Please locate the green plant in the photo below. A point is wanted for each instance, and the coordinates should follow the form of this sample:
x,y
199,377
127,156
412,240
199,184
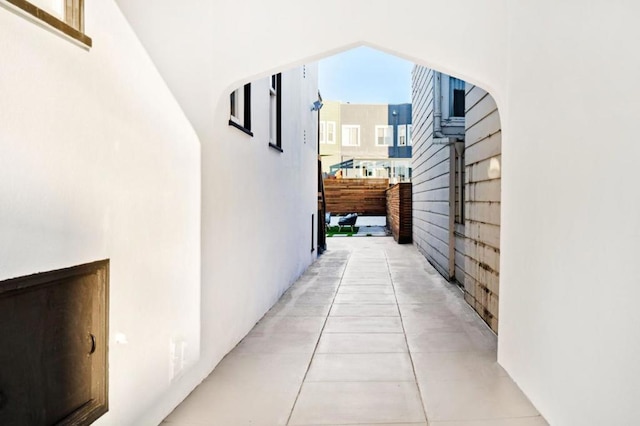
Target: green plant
x,y
346,230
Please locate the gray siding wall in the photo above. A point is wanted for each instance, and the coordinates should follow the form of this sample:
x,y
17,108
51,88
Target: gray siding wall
x,y
430,176
482,204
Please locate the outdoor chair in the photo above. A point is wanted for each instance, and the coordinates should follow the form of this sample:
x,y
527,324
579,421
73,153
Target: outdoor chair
x,y
327,220
348,220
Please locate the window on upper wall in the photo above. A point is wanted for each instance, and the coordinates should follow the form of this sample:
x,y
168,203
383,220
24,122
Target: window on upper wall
x,y
350,135
66,16
275,111
456,97
409,134
322,135
384,135
402,135
331,132
240,109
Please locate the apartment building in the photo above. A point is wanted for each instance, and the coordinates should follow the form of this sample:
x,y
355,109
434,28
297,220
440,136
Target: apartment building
x,y
366,140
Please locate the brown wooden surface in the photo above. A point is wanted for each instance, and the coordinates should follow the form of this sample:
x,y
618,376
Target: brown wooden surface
x,y
351,195
53,335
399,214
74,28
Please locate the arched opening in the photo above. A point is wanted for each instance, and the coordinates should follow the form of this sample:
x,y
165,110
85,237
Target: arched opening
x,y
455,170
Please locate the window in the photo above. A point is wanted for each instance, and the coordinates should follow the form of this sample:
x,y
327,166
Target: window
x,y
456,97
322,135
351,135
402,135
240,109
331,132
384,135
275,111
409,134
66,16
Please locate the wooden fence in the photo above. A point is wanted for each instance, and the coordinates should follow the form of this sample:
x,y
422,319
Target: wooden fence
x,y
399,212
351,195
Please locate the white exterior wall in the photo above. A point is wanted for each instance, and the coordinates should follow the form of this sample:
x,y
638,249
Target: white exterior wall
x,y
98,161
568,310
430,189
569,265
257,204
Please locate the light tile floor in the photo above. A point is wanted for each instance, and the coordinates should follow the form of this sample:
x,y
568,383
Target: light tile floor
x,y
369,335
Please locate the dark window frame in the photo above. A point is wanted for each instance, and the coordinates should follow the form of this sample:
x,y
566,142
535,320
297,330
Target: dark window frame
x,y
245,126
278,130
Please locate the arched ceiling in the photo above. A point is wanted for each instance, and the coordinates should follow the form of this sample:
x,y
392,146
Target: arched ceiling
x,y
204,48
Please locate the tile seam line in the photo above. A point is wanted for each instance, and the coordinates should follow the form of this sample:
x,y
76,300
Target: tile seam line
x,y
404,331
315,348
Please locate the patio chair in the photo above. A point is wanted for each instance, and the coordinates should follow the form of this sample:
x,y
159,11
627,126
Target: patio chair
x,y
327,221
348,220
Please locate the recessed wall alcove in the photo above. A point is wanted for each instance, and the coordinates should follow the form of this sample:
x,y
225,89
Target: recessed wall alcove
x,y
53,346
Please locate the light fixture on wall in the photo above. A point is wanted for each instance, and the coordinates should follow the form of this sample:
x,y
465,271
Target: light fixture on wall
x,y
494,168
316,106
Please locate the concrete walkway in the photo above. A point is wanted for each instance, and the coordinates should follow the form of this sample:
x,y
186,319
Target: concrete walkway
x,y
370,334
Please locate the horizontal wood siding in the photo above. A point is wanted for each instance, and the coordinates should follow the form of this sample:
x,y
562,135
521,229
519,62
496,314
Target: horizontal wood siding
x,y
482,204
351,195
430,176
399,216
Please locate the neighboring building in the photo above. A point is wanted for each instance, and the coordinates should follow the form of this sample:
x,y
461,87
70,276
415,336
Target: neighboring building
x,y
366,140
330,134
456,185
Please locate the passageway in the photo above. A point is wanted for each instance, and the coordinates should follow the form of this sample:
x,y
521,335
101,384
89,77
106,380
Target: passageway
x,y
370,334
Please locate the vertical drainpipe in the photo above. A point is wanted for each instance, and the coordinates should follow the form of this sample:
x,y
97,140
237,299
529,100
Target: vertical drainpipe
x,y
437,133
452,211
437,107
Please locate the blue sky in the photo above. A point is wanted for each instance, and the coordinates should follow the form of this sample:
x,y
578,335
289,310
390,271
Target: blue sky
x,y
365,75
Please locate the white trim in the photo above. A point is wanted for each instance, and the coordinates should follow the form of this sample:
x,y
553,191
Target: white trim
x,y
238,117
323,135
346,128
273,99
331,124
388,135
402,133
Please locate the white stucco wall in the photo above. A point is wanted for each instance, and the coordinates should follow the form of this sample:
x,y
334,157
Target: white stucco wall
x,y
560,75
123,182
98,161
257,204
569,281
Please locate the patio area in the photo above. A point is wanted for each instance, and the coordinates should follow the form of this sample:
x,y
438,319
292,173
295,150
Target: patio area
x,y
370,334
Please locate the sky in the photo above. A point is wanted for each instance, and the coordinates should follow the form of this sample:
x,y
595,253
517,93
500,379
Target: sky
x,y
365,75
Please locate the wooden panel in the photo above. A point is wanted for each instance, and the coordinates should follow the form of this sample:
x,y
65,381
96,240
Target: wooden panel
x,y
486,148
362,196
430,176
53,335
482,206
473,95
480,111
479,171
483,128
484,191
399,212
488,212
